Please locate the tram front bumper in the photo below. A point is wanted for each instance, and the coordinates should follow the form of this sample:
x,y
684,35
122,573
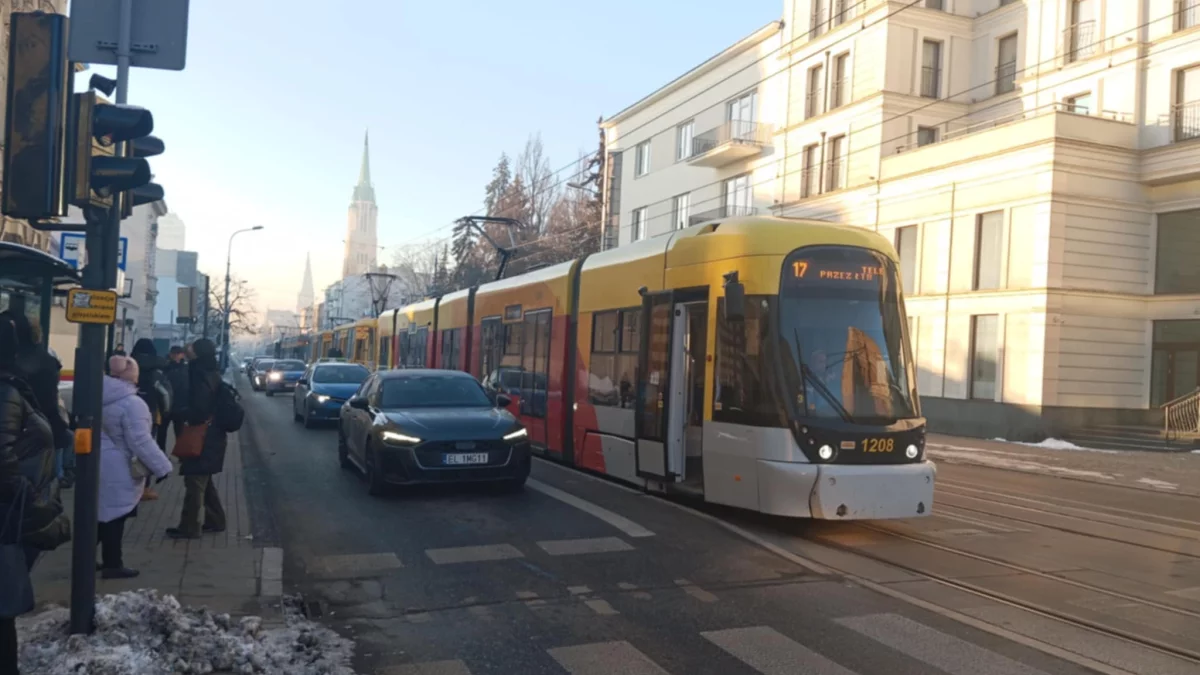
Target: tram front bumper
x,y
847,491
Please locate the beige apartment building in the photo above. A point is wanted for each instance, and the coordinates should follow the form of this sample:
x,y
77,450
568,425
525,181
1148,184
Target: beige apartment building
x,y
1036,162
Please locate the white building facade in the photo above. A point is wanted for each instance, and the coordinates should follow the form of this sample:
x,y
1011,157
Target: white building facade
x,y
1034,161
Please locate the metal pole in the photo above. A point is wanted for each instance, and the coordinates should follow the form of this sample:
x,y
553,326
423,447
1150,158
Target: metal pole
x,y
225,308
205,333
103,240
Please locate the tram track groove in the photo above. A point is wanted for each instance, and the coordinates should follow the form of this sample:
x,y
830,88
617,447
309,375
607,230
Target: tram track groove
x,y
1064,502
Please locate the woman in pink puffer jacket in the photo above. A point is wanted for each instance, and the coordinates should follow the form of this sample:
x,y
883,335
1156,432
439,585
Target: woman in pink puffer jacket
x,y
126,443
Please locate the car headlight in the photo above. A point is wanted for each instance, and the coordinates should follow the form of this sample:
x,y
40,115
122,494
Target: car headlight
x,y
321,398
275,376
397,438
516,435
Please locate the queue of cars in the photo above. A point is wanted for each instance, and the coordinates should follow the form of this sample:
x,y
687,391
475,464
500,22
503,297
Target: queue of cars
x,y
403,426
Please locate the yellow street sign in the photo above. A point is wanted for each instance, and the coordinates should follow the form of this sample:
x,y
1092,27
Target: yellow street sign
x,y
85,305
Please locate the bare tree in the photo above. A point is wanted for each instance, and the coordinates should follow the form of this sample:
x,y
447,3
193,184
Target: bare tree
x,y
537,180
243,317
414,266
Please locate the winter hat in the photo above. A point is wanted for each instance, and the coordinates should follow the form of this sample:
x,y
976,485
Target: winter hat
x,y
143,347
123,368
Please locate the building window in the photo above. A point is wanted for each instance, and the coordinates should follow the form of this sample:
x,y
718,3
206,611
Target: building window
x,y
1080,104
985,355
833,178
742,113
683,140
926,136
845,10
679,210
643,159
739,196
1006,64
639,224
931,68
837,89
906,248
936,4
814,103
1187,103
820,18
1187,14
1080,37
811,175
988,232
1178,249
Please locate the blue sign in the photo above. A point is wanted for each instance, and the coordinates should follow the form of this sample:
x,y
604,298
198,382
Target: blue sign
x,y
73,250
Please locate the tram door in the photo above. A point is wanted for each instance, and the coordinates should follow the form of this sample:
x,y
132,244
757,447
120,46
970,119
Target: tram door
x,y
662,389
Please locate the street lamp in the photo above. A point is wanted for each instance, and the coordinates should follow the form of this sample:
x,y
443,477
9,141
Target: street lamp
x,y
225,320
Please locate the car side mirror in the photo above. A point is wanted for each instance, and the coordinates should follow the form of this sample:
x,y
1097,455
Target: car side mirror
x,y
503,400
302,381
358,402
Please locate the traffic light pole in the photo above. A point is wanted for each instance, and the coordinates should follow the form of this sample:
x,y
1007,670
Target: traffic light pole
x,y
103,244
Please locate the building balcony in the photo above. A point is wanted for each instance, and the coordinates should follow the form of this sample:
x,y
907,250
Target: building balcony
x,y
952,144
733,141
727,211
1187,14
1079,42
1187,121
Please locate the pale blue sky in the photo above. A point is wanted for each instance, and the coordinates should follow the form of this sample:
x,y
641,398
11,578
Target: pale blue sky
x,y
265,124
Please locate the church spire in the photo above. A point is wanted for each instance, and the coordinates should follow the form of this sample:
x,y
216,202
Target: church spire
x,y
364,191
306,297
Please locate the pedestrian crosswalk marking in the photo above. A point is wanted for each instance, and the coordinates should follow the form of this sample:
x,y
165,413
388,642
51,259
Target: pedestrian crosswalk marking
x,y
432,668
601,607
772,653
695,591
355,565
465,554
581,546
935,648
605,658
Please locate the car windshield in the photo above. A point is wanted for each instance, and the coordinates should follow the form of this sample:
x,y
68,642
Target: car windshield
x,y
432,391
288,365
841,325
263,364
339,375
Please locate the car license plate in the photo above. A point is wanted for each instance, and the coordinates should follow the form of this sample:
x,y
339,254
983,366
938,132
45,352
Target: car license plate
x,y
466,458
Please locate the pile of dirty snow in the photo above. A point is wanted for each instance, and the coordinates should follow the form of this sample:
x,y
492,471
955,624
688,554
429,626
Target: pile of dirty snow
x,y
144,633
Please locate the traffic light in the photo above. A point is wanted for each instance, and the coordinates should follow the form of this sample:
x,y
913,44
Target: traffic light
x,y
39,86
96,126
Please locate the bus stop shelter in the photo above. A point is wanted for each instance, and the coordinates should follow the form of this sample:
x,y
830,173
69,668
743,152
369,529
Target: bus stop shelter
x,y
29,279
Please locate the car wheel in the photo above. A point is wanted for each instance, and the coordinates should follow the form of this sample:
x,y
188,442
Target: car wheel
x,y
375,484
343,452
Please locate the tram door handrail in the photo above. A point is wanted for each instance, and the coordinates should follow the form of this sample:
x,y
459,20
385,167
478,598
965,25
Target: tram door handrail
x,y
1182,415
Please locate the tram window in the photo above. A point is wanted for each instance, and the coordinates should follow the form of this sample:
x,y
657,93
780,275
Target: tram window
x,y
627,355
742,393
512,339
385,354
535,363
489,354
602,379
451,345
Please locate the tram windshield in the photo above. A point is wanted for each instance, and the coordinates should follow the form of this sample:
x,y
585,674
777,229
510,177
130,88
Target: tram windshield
x,y
842,335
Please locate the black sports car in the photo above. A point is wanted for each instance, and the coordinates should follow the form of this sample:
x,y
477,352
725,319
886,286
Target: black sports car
x,y
430,426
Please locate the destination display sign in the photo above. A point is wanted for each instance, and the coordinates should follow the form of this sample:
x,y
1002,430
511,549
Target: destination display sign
x,y
836,266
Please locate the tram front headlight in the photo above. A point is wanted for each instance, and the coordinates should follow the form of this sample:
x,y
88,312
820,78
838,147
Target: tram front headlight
x,y
825,452
912,451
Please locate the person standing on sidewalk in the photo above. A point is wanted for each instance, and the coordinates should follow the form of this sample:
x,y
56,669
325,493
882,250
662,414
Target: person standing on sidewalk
x,y
155,390
128,456
41,370
177,376
200,493
26,470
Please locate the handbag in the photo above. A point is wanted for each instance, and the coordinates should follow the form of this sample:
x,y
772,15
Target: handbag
x,y
189,443
137,469
16,588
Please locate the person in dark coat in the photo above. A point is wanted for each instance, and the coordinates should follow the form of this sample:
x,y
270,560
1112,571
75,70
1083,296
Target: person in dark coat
x,y
153,388
200,493
27,466
41,371
177,376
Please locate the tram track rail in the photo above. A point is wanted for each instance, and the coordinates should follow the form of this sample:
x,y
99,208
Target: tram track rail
x,y
1041,609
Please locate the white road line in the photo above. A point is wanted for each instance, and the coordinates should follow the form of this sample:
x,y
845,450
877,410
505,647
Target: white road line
x,y
432,668
773,653
605,658
578,590
933,647
601,607
622,523
581,546
465,554
695,591
352,565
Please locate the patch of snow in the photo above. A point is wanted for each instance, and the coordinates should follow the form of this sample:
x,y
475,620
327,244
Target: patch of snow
x,y
1160,484
994,460
144,633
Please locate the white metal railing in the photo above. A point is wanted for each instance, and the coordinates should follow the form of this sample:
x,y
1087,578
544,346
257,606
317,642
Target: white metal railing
x,y
1182,415
945,133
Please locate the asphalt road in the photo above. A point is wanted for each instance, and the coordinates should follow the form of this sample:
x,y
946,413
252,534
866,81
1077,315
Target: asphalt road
x,y
574,575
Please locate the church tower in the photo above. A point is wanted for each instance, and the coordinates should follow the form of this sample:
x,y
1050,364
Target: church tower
x,y
360,223
305,299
